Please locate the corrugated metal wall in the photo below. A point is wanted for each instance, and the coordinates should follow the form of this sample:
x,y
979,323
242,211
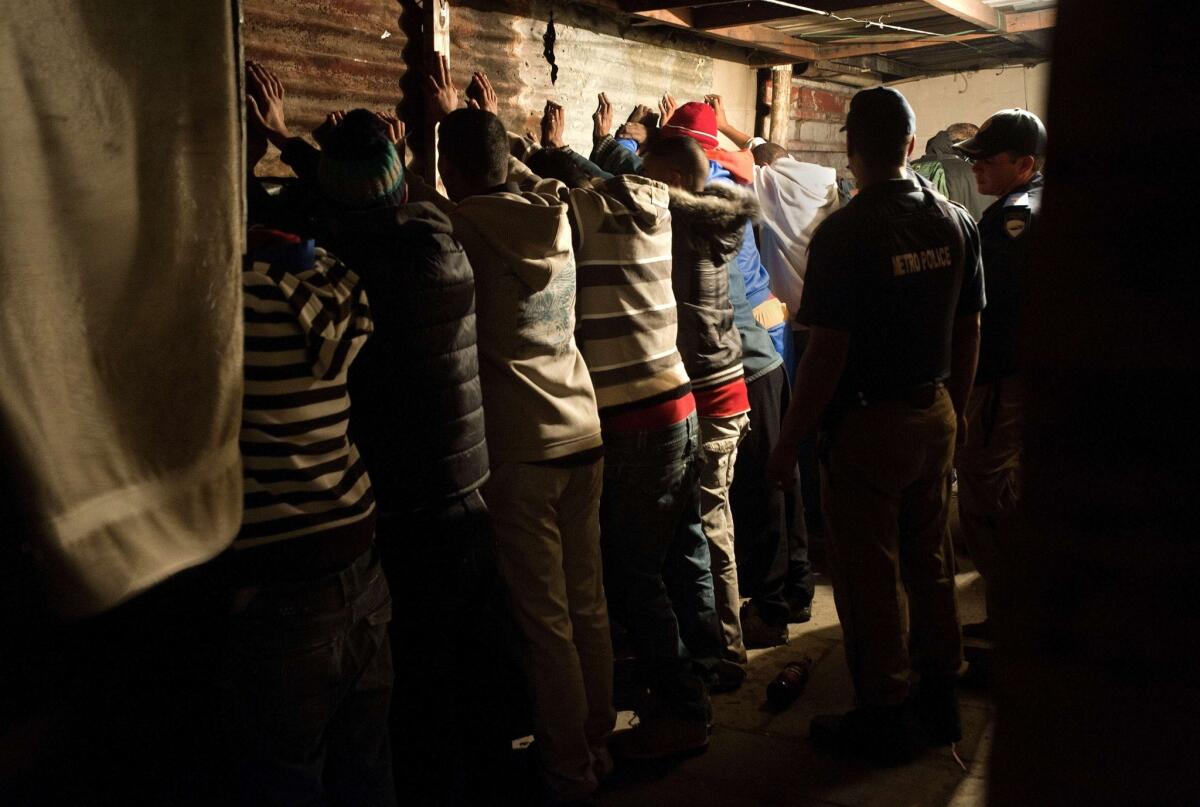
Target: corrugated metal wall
x,y
333,54
329,54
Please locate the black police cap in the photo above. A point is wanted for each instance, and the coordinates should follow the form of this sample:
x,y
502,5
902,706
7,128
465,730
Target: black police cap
x,y
880,112
1014,130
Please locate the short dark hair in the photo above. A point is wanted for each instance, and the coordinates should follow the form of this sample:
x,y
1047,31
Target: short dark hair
x,y
476,143
557,164
962,131
681,154
877,151
768,153
1039,160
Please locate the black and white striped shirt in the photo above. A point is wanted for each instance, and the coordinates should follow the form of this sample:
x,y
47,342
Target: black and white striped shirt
x,y
306,317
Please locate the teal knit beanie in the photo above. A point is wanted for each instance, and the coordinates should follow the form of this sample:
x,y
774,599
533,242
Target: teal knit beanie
x,y
360,168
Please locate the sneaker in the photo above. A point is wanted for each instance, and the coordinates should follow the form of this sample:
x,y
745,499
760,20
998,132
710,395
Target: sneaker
x,y
756,633
936,703
659,737
887,735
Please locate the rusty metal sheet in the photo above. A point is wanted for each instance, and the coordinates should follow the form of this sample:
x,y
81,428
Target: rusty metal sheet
x,y
329,54
333,54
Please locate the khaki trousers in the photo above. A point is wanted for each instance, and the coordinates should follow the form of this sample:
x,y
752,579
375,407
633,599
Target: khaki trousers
x,y
989,465
885,473
719,439
546,522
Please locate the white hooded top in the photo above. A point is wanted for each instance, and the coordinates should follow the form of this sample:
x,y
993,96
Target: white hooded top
x,y
795,198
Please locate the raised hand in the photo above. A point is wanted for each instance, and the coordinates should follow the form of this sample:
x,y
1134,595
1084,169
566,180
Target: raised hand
x,y
718,105
666,108
644,115
395,127
331,122
264,103
481,93
602,118
637,132
554,121
441,94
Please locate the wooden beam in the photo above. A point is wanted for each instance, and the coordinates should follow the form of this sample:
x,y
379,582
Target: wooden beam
x,y
876,64
1029,21
743,13
834,52
639,6
973,11
437,40
763,38
677,17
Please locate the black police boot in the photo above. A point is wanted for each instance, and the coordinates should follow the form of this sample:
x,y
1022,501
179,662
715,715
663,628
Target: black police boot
x,y
936,705
886,735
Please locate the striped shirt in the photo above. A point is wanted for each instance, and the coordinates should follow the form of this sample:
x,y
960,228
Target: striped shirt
x,y
627,320
306,318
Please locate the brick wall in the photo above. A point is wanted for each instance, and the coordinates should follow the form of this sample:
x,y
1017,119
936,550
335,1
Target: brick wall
x,y
818,113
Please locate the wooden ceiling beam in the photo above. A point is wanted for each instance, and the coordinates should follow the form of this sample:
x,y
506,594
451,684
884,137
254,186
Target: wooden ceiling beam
x,y
640,6
764,38
1029,21
975,12
835,52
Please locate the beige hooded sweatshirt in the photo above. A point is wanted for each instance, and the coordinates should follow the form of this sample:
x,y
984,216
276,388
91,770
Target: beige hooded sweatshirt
x,y
537,395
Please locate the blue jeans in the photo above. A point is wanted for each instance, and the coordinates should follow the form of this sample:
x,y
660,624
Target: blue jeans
x,y
651,496
306,682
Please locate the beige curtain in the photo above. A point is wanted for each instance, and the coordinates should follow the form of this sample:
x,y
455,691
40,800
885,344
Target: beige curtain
x,y
120,320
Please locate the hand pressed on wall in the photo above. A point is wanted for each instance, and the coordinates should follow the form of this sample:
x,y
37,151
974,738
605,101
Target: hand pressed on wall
x,y
481,93
441,95
718,105
264,103
602,118
554,122
331,122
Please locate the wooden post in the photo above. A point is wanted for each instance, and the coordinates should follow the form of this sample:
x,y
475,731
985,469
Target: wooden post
x,y
781,104
437,41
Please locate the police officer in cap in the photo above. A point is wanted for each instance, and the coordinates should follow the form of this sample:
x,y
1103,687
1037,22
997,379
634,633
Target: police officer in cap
x,y
1006,157
892,297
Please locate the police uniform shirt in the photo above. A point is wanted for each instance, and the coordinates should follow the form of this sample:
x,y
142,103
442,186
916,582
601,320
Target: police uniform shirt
x,y
1005,233
895,267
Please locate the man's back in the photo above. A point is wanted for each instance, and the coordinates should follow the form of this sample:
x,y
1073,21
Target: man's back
x,y
895,268
626,305
306,318
539,399
416,383
795,198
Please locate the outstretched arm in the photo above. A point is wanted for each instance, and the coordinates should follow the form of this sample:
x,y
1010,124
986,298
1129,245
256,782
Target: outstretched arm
x,y
740,138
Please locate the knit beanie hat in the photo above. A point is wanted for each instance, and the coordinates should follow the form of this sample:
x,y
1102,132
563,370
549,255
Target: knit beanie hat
x,y
359,166
695,120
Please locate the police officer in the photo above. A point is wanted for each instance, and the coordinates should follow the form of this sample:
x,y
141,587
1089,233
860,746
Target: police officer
x,y
1006,157
892,298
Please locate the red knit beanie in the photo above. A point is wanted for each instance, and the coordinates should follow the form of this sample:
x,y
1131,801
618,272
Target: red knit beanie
x,y
695,120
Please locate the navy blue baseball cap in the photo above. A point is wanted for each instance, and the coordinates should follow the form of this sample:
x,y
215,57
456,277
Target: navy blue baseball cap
x,y
1015,130
881,112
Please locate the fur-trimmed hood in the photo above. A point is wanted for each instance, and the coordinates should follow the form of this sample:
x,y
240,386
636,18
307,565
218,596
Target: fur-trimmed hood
x,y
715,218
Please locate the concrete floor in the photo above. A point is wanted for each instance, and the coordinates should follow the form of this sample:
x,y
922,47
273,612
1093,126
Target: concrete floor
x,y
759,759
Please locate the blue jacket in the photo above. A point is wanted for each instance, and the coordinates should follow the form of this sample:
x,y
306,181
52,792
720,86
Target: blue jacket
x,y
756,285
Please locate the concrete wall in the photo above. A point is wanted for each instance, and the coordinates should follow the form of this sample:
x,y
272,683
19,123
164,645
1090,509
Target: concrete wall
x,y
973,97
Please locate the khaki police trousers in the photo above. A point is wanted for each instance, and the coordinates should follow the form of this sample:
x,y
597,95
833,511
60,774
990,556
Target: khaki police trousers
x,y
988,465
885,474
